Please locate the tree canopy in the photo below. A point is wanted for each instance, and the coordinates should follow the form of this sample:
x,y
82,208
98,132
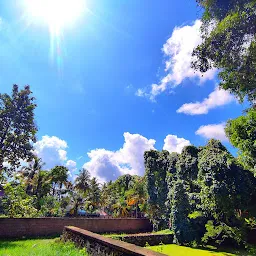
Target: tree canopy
x,y
242,134
17,126
229,44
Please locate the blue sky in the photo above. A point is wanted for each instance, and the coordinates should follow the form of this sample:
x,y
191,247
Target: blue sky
x,y
110,84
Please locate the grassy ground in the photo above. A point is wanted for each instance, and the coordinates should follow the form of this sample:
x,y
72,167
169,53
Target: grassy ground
x,y
39,247
163,232
172,249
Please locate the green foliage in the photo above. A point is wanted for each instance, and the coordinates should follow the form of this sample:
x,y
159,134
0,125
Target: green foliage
x,y
222,234
17,127
59,175
242,134
126,197
82,182
251,222
93,198
180,223
204,184
50,207
30,175
17,203
229,43
195,215
156,166
225,185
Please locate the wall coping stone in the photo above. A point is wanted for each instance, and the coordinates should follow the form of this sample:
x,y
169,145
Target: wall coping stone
x,y
131,249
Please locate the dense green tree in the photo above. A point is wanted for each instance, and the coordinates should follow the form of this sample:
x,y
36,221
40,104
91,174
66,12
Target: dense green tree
x,y
17,127
187,164
242,135
93,197
179,221
137,196
229,44
29,174
121,208
225,187
156,166
59,175
171,178
17,203
207,190
42,184
50,206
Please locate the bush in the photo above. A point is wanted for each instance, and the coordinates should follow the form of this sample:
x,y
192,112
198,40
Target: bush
x,y
221,234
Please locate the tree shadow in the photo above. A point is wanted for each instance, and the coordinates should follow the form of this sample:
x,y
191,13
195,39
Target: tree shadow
x,y
230,251
7,244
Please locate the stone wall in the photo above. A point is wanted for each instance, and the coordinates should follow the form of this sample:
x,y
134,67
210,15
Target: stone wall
x,y
36,227
144,239
97,245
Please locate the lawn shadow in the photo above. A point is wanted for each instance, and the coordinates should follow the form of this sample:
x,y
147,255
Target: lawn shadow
x,y
7,244
229,251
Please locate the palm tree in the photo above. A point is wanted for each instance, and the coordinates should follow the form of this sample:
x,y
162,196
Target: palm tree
x,y
82,181
59,175
93,195
121,209
29,173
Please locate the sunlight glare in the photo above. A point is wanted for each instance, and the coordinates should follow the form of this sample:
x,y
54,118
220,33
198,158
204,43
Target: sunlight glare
x,y
57,13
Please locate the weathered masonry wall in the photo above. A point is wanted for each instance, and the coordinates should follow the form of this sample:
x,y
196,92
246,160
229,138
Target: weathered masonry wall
x,y
97,245
35,227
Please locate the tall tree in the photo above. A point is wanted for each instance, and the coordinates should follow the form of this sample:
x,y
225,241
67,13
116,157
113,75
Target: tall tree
x,y
17,126
82,181
229,44
156,166
242,135
29,173
93,198
59,175
225,187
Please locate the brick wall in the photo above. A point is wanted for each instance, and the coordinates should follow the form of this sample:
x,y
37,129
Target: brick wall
x,y
33,227
98,245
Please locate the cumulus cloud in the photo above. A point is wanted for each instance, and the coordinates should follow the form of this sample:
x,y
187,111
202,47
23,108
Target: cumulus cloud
x,y
71,165
178,52
108,165
215,131
53,151
174,144
218,97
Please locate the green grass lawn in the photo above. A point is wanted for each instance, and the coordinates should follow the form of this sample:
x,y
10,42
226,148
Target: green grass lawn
x,y
163,232
39,247
172,249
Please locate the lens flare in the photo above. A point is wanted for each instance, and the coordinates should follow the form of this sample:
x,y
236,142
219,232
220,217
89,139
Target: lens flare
x,y
57,13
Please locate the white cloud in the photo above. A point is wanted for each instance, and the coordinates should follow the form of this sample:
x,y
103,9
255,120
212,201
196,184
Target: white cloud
x,y
53,151
215,131
71,165
218,97
174,144
140,93
108,165
178,51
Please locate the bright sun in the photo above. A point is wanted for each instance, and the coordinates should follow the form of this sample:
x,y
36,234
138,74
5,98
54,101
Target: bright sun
x,y
57,13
